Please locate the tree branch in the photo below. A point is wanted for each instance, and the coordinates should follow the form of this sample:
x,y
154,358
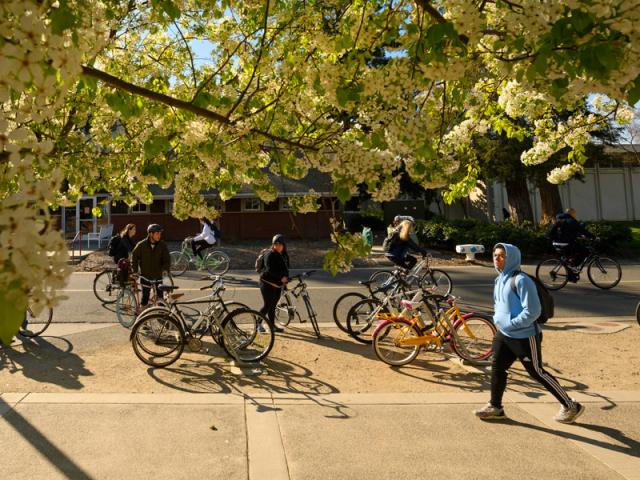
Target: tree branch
x,y
181,104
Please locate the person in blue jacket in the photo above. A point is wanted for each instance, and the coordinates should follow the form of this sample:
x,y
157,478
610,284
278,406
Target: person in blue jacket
x,y
519,337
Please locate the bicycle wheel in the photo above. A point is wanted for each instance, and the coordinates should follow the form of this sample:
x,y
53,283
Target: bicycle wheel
x,y
35,325
473,338
388,342
313,318
381,282
552,273
217,262
157,340
604,272
179,263
126,308
638,313
361,318
437,282
285,310
104,288
342,306
242,338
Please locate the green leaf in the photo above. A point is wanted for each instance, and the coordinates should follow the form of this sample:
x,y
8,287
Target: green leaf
x,y
348,93
343,192
156,146
12,314
633,95
581,21
62,18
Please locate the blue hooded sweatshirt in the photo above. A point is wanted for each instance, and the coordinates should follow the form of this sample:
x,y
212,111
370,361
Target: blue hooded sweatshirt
x,y
515,314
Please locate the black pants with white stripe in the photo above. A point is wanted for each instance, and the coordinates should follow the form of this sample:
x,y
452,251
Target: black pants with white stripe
x,y
505,351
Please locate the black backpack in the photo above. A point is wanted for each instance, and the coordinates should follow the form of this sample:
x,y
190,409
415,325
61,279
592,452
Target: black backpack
x,y
260,266
390,239
216,231
546,300
113,245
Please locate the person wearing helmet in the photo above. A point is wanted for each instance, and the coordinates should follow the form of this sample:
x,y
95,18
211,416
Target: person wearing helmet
x,y
274,276
150,258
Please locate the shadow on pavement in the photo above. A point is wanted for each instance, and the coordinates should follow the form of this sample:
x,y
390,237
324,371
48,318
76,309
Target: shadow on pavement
x,y
628,445
46,360
42,444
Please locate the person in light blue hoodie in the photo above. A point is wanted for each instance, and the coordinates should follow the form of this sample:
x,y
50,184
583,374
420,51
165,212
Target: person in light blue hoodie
x,y
519,336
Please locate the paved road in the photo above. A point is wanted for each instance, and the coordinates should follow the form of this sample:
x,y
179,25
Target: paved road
x,y
472,283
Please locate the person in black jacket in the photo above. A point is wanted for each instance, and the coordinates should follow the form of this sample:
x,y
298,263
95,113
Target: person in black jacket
x,y
274,276
125,243
399,250
565,233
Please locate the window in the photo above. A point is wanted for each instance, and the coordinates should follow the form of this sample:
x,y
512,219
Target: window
x,y
251,205
285,203
158,206
140,208
271,206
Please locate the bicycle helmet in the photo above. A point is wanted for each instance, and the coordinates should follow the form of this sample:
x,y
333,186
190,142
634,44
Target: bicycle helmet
x,y
278,238
154,227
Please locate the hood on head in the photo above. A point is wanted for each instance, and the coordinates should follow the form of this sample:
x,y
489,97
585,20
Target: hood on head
x,y
513,257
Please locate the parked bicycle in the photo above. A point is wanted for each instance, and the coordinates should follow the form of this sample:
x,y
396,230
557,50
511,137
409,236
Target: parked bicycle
x,y
216,262
106,286
399,337
128,303
34,325
603,272
161,333
287,305
421,275
362,315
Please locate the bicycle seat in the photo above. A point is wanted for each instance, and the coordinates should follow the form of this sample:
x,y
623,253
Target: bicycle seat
x,y
366,283
167,288
409,305
308,273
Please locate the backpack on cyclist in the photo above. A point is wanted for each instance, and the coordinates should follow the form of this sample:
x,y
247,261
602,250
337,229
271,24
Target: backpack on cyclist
x,y
122,270
113,245
390,240
216,232
546,300
260,266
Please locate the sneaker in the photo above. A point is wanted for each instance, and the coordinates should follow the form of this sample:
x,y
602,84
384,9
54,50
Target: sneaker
x,y
278,329
489,412
569,415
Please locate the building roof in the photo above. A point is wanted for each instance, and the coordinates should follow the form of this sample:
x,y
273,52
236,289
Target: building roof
x,y
318,181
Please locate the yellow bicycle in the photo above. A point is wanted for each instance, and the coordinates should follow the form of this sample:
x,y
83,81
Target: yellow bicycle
x,y
399,337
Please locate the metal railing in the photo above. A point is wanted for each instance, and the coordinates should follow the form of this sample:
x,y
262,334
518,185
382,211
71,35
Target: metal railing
x,y
72,246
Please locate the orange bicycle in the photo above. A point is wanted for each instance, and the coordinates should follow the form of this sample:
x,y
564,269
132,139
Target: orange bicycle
x,y
398,339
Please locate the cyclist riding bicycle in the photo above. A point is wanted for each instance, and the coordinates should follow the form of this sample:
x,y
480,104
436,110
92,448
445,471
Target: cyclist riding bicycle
x,y
401,243
204,239
151,258
565,233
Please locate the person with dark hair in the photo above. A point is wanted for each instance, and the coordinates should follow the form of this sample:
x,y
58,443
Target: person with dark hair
x,y
204,239
151,259
399,249
565,234
274,276
125,243
517,307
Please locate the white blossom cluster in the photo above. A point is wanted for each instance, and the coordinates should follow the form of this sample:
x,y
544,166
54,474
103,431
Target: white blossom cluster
x,y
564,173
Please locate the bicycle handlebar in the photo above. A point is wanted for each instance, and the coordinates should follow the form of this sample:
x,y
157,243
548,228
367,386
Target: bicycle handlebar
x,y
301,275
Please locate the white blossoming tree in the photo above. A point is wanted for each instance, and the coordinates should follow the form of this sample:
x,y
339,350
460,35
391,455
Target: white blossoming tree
x,y
112,95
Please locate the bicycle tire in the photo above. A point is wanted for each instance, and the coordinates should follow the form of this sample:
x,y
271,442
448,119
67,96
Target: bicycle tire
x,y
127,308
552,273
603,266
437,282
157,340
241,337
104,288
473,339
342,304
217,262
179,263
638,313
312,316
36,325
386,340
361,318
285,311
378,279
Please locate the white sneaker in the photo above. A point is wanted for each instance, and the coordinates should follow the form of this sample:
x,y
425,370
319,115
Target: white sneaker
x,y
571,414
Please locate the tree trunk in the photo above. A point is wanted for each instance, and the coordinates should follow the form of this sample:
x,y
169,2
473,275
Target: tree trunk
x,y
550,200
519,201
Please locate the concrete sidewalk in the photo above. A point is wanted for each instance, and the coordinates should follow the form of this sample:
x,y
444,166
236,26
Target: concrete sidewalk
x,y
336,436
